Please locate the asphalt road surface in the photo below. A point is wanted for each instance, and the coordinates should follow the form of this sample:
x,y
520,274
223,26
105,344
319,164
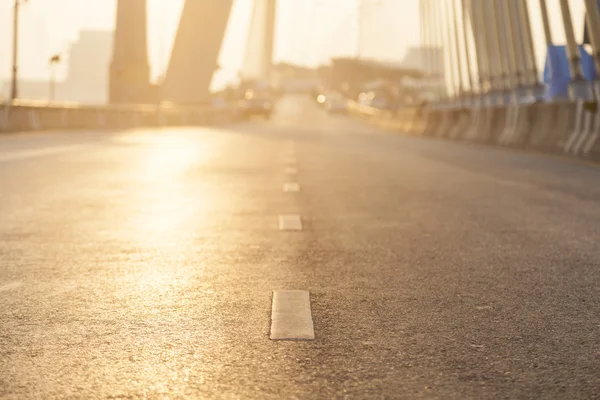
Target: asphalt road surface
x,y
141,264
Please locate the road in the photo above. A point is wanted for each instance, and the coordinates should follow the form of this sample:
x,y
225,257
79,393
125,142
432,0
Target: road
x,y
141,264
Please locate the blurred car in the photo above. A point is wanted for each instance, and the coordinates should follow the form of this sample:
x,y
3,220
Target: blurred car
x,y
337,104
332,101
376,100
256,104
323,97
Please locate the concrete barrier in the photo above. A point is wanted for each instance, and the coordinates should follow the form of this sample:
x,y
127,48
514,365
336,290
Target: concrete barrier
x,y
497,124
4,120
552,123
568,127
566,122
32,116
584,124
418,125
433,120
446,123
479,118
582,143
543,122
413,120
518,125
589,146
462,121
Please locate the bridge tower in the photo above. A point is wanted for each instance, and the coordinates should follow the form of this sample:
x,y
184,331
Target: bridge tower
x,y
129,69
258,61
196,51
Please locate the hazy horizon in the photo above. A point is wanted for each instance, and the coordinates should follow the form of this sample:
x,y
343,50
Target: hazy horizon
x,y
46,29
308,32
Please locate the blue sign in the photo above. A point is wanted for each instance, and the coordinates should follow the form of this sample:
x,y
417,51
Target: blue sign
x,y
557,73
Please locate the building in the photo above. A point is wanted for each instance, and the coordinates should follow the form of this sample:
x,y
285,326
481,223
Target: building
x,y
88,69
424,59
429,60
87,76
294,78
351,74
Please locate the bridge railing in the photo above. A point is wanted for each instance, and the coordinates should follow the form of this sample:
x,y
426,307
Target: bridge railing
x,y
562,127
22,116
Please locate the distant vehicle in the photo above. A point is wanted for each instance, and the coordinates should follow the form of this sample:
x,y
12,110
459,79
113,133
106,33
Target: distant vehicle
x,y
375,100
256,103
330,99
336,104
219,103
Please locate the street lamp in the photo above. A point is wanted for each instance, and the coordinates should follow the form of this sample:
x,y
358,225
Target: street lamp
x,y
14,92
54,60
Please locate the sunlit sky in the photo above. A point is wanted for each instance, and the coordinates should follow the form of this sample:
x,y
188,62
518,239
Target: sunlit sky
x,y
309,31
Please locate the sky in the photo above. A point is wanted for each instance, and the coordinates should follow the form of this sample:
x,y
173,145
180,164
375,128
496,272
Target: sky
x,y
308,31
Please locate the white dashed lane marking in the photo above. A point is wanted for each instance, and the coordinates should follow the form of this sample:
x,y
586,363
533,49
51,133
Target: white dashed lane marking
x,y
291,171
291,187
291,317
290,222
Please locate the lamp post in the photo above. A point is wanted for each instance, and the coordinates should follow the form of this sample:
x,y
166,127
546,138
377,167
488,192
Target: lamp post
x,y
14,91
54,60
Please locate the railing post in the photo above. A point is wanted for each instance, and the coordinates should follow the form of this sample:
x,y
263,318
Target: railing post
x,y
465,39
579,87
593,22
461,89
481,48
495,59
530,61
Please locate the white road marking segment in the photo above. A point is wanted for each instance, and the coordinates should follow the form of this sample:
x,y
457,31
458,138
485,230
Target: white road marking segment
x,y
291,317
290,160
291,171
290,222
10,286
291,187
20,155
